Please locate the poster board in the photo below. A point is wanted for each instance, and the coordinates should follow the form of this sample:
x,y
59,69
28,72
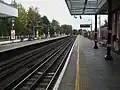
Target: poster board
x,y
12,34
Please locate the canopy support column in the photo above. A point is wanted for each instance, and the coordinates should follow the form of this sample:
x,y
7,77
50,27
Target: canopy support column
x,y
95,35
108,56
115,32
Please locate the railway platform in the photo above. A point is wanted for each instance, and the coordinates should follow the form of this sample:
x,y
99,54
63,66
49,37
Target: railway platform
x,y
6,47
87,69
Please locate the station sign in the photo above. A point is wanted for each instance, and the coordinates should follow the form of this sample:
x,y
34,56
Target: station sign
x,y
12,34
85,25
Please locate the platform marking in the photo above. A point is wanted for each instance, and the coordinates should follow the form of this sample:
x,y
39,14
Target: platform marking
x,y
77,83
64,68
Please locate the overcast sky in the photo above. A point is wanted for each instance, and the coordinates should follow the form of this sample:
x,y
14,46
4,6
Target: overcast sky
x,y
57,9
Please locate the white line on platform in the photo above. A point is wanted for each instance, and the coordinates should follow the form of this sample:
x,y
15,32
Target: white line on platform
x,y
64,68
77,83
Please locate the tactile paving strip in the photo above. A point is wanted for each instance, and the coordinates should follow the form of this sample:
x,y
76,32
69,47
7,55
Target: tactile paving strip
x,y
85,80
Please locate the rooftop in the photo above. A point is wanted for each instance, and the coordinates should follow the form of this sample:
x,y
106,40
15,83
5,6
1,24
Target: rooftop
x,y
84,7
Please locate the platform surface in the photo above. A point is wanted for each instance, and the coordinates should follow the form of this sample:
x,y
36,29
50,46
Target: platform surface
x,y
22,44
95,73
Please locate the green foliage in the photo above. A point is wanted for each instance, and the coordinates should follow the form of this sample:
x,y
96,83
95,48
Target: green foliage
x,y
21,21
5,26
45,25
55,27
75,32
14,3
33,18
28,22
45,20
66,29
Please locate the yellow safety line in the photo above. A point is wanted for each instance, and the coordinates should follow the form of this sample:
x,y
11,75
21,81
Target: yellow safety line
x,y
77,83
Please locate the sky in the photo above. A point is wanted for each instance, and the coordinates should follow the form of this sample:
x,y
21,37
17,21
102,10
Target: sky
x,y
57,9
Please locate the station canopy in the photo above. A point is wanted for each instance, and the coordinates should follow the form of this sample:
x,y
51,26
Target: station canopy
x,y
7,10
84,7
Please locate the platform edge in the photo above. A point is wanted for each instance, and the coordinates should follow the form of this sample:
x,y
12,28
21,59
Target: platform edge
x,y
64,69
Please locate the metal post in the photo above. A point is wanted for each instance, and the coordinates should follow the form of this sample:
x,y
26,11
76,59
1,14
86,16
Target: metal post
x,y
91,34
13,24
91,30
95,39
115,30
108,56
99,27
48,32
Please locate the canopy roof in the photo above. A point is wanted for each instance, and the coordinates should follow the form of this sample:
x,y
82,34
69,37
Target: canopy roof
x,y
84,7
7,10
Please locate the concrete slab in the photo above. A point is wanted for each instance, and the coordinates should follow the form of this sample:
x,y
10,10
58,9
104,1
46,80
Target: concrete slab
x,y
95,73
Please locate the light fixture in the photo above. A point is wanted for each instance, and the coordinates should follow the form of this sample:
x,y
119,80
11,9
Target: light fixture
x,y
80,17
75,16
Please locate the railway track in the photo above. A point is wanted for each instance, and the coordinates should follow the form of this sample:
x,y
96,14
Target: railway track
x,y
28,60
6,64
43,74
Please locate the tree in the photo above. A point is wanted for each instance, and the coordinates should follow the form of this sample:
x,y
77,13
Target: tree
x,y
69,29
34,20
21,21
55,27
3,25
28,22
45,25
75,32
80,31
66,29
14,3
45,20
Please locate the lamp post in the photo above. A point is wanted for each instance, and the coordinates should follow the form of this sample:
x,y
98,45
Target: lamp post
x,y
12,36
99,33
35,29
55,30
91,26
48,31
38,22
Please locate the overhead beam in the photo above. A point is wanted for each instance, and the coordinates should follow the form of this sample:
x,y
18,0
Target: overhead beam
x,y
84,6
68,7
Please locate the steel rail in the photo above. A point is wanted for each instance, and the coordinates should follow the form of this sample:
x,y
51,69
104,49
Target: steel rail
x,y
26,73
46,70
58,69
10,70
